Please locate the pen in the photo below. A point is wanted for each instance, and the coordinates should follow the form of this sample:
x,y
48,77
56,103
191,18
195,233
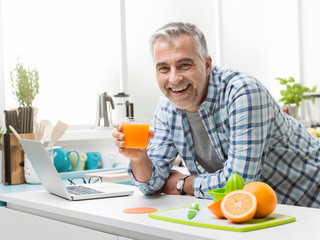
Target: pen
x,y
193,209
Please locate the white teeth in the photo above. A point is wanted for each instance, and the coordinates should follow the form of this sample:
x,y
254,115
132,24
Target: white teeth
x,y
179,89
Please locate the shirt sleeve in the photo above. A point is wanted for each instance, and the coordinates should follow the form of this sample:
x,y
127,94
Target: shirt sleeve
x,y
250,113
161,152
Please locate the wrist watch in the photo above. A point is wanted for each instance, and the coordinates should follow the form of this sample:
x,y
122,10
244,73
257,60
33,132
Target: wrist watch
x,y
180,184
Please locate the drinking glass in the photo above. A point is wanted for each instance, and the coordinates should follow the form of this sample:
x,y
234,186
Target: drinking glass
x,y
136,132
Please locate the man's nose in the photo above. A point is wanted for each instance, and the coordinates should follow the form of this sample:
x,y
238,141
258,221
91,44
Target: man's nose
x,y
174,76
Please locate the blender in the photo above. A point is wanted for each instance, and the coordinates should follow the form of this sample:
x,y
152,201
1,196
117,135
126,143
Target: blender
x,y
123,108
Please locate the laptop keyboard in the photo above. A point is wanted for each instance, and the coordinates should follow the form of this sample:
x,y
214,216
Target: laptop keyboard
x,y
82,190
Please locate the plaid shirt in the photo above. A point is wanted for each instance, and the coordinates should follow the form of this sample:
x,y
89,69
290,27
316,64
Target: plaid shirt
x,y
251,135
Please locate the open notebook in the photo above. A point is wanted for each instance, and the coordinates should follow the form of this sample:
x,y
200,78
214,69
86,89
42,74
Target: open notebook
x,y
51,180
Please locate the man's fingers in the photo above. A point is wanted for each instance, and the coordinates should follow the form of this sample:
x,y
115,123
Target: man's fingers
x,y
120,144
119,126
151,135
118,135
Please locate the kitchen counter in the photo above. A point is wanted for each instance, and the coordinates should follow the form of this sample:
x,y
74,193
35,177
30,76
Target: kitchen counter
x,y
41,215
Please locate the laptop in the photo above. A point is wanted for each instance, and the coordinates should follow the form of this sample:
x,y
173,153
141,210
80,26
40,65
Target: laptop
x,y
52,182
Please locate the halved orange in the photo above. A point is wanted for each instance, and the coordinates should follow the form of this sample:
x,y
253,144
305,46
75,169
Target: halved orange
x,y
239,206
215,208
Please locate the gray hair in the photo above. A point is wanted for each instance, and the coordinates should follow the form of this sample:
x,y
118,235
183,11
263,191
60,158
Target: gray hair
x,y
176,29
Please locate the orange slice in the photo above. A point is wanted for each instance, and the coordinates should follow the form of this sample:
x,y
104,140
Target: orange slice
x,y
140,210
215,208
239,206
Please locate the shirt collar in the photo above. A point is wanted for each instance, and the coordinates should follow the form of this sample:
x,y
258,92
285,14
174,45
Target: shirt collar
x,y
212,93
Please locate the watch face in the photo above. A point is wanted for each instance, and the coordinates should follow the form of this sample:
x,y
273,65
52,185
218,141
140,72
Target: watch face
x,y
180,184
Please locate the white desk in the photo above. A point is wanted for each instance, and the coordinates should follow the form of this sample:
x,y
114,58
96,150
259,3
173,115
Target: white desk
x,y
40,215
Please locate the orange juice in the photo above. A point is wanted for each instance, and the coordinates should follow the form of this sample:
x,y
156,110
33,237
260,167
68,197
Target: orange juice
x,y
136,135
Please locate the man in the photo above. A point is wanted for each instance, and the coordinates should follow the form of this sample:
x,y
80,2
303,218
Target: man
x,y
220,122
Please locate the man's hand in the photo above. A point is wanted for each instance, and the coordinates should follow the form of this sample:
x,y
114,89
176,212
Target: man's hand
x,y
170,187
140,162
131,153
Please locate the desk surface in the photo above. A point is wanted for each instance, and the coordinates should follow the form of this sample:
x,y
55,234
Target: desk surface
x,y
107,215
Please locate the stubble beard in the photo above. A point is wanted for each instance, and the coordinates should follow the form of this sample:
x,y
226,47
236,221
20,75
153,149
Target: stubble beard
x,y
187,104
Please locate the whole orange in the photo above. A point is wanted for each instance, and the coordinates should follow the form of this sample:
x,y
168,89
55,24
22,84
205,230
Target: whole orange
x,y
266,197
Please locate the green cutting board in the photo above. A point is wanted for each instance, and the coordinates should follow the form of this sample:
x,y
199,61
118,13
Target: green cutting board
x,y
206,219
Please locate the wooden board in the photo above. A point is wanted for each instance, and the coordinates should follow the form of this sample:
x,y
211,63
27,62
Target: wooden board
x,y
117,175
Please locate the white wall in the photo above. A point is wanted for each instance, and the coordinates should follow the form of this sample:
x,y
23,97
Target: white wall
x,y
310,41
260,37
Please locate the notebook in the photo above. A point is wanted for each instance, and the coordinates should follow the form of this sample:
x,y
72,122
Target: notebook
x,y
51,180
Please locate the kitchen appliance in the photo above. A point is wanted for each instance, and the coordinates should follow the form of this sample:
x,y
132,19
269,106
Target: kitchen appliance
x,y
104,107
123,108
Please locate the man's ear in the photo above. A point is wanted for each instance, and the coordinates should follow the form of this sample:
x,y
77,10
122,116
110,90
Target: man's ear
x,y
208,65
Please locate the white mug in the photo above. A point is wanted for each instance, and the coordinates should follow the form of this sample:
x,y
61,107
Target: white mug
x,y
107,159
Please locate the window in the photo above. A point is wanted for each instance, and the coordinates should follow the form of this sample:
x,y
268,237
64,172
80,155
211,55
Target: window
x,y
75,46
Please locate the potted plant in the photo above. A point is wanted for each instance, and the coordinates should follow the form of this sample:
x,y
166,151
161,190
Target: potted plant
x,y
25,87
293,95
25,84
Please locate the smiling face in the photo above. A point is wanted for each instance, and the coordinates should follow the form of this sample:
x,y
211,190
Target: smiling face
x,y
181,73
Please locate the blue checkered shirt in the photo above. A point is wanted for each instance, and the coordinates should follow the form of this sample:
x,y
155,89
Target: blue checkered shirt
x,y
251,135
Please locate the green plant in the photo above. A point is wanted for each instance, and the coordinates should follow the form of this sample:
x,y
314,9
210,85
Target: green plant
x,y
25,84
294,92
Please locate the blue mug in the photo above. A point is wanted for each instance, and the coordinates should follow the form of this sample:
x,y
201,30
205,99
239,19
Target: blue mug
x,y
61,159
93,159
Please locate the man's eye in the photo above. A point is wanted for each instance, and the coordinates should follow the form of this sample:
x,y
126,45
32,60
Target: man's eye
x,y
185,66
163,69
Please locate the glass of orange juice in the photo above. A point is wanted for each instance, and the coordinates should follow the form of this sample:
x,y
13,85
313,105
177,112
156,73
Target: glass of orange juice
x,y
136,132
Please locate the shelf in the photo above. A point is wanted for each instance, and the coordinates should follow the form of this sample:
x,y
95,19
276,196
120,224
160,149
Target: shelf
x,y
87,134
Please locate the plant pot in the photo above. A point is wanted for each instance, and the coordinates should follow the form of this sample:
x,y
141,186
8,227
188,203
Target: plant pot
x,y
35,117
29,173
292,110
